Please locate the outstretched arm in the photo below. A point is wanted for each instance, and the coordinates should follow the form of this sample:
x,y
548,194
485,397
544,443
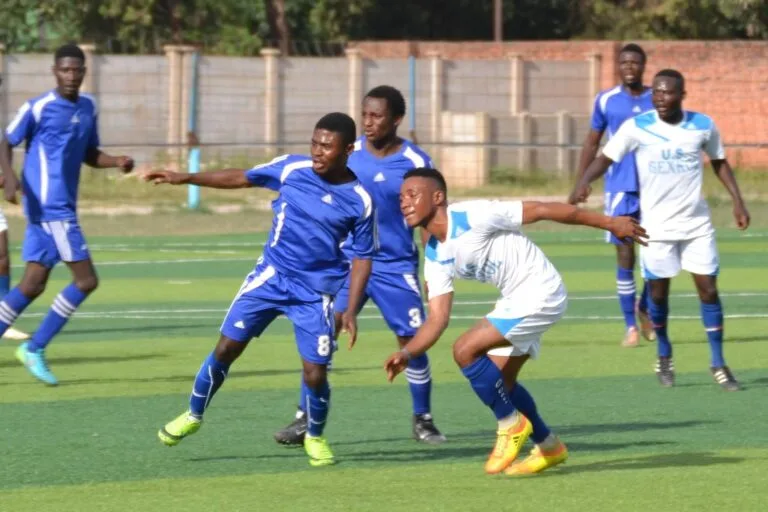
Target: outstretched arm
x,y
587,156
725,174
100,160
10,180
224,178
621,227
595,170
427,335
358,279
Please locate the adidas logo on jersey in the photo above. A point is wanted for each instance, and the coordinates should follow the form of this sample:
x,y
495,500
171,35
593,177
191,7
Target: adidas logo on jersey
x,y
636,109
327,199
379,178
75,119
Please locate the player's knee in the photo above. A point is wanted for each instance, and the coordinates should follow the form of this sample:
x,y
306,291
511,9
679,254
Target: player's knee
x,y
5,264
315,375
87,284
464,353
227,350
708,294
31,289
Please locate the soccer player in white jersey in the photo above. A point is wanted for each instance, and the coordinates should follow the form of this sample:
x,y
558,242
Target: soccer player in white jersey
x,y
60,133
668,143
483,241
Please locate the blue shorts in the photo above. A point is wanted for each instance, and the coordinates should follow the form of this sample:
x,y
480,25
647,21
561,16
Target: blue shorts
x,y
266,294
621,204
48,243
397,296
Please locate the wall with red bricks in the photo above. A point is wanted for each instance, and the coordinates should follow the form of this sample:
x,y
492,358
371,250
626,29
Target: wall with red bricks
x,y
727,80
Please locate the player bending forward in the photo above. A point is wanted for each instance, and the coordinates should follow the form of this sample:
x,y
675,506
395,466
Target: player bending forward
x,y
482,240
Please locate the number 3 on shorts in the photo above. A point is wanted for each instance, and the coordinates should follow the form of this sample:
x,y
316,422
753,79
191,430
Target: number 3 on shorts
x,y
415,315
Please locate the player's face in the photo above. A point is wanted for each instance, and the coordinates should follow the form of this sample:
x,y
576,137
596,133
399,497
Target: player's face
x,y
631,68
667,97
378,122
328,151
418,200
69,73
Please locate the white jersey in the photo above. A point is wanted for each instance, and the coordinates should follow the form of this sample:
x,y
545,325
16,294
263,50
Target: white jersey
x,y
485,243
670,171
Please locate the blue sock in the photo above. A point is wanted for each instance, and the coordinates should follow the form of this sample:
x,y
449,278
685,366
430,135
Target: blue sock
x,y
317,403
625,285
524,403
658,314
712,317
11,307
420,381
64,305
5,286
488,384
209,379
642,304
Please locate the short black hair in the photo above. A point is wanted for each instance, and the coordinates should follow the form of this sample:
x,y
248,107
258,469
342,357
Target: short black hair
x,y
394,98
634,48
69,50
673,73
426,172
340,123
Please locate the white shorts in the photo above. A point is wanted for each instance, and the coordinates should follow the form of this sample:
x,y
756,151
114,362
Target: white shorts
x,y
524,334
3,222
661,260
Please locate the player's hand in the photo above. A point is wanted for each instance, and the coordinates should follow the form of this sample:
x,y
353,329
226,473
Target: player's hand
x,y
627,227
349,326
396,363
580,195
741,214
169,177
11,186
125,163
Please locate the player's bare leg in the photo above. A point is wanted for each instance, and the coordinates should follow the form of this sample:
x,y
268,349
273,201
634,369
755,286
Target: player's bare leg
x,y
494,380
712,318
317,395
424,428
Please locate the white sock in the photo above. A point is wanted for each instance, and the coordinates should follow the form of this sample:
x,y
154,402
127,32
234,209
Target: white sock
x,y
508,421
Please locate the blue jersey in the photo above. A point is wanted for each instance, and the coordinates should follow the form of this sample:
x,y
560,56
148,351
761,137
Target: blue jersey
x,y
382,177
58,135
612,108
312,218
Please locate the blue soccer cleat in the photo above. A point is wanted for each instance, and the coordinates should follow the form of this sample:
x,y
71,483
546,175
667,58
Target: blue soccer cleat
x,y
36,364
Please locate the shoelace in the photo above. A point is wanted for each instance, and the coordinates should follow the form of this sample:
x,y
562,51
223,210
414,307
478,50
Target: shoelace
x,y
501,444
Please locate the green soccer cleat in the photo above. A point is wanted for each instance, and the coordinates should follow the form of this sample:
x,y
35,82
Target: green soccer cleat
x,y
184,425
319,452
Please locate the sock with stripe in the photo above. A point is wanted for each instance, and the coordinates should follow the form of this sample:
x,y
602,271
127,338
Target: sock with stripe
x,y
658,313
64,305
209,379
318,401
712,317
12,305
488,384
419,379
625,285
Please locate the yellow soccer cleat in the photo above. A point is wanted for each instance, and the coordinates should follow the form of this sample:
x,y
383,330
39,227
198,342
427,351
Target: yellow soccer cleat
x,y
539,460
508,445
184,425
319,452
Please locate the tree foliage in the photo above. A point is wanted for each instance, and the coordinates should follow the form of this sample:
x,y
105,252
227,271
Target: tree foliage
x,y
242,27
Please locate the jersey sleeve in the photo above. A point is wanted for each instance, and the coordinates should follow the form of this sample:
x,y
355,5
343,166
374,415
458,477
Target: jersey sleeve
x,y
493,216
437,274
365,237
269,175
622,143
22,127
598,123
713,146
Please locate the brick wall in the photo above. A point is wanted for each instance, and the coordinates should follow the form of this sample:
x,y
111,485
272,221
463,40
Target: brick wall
x,y
727,80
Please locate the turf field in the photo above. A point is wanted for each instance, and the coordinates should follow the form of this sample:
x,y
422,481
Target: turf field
x,y
127,361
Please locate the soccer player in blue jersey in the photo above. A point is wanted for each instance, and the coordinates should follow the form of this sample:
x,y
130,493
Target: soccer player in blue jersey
x,y
320,203
612,108
380,160
60,130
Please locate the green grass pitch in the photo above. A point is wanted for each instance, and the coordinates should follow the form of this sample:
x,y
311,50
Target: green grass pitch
x,y
127,361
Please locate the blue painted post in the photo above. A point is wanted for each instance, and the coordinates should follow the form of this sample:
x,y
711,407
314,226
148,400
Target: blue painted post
x,y
412,96
193,191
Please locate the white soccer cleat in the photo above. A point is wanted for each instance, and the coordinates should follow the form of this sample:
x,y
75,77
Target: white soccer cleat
x,y
15,334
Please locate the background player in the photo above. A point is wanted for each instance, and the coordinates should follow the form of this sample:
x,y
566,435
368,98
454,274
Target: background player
x,y
612,108
301,270
380,160
60,129
482,241
667,143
